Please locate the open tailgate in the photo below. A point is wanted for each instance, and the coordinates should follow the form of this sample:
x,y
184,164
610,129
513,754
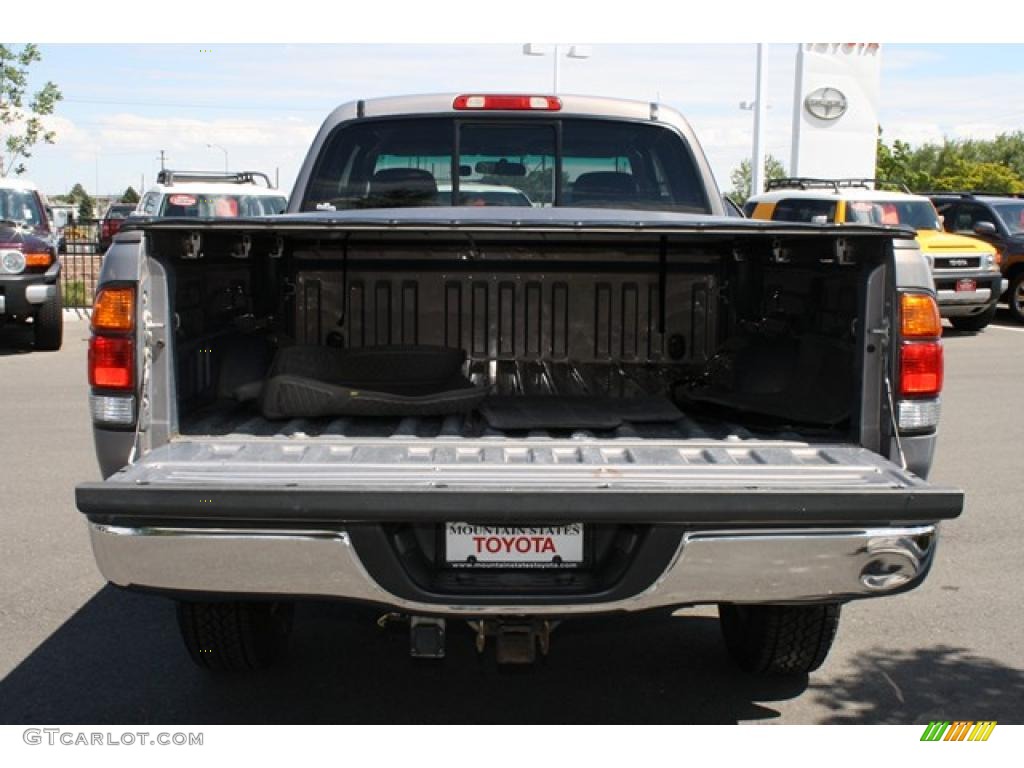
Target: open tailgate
x,y
422,480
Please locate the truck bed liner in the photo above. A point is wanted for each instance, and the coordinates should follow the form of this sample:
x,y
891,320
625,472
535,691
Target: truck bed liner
x,y
638,383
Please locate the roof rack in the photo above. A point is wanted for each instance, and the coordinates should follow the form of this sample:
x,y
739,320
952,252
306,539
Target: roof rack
x,y
799,182
169,177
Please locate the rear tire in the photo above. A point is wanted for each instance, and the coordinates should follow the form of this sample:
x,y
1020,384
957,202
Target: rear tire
x,y
779,639
235,636
49,324
1015,297
974,322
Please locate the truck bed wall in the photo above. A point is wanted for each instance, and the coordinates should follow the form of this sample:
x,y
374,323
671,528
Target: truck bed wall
x,y
526,314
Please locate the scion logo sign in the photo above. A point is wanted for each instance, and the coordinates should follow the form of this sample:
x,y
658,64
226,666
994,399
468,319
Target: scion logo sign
x,y
826,103
961,730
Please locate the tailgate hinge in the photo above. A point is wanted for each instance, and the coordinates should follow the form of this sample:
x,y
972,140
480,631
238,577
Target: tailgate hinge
x,y
881,333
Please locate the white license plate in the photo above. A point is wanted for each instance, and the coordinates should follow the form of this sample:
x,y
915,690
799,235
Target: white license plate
x,y
493,546
966,284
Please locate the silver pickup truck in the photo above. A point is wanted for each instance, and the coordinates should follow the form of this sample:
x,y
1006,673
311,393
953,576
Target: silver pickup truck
x,y
615,399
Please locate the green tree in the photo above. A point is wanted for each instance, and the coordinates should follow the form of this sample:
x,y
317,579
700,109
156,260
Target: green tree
x,y
901,164
962,174
995,165
86,205
86,209
1006,149
741,177
130,196
20,122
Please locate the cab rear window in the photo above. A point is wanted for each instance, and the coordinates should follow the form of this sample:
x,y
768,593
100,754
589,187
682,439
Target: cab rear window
x,y
549,162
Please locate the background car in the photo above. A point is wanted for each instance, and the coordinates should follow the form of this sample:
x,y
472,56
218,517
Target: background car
x,y
473,193
112,221
29,266
211,195
998,220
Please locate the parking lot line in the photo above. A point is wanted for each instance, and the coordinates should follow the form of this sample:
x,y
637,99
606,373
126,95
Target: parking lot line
x,y
1007,328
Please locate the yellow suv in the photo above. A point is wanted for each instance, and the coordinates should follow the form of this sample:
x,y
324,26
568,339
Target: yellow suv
x,y
965,270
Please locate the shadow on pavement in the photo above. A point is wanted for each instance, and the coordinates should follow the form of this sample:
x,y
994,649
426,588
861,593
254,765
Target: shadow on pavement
x,y
1004,318
937,683
15,339
119,659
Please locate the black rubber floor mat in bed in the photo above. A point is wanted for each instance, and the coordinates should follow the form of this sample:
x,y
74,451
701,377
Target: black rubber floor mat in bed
x,y
308,382
580,412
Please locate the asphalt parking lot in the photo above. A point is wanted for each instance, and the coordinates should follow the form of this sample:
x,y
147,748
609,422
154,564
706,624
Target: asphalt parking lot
x,y
75,650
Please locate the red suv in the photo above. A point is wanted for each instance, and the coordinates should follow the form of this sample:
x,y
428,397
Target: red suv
x,y
112,221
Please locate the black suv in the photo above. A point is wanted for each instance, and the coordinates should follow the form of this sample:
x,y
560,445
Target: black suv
x,y
29,267
997,219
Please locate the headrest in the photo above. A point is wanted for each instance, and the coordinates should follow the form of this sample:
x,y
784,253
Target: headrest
x,y
604,186
405,185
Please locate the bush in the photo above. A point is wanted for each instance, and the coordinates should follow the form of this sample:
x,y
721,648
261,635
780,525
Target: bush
x,y
75,294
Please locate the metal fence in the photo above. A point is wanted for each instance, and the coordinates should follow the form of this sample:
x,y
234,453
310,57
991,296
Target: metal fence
x,y
81,257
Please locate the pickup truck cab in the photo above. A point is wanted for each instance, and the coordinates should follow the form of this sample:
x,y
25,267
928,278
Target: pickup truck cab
x,y
29,264
966,271
618,399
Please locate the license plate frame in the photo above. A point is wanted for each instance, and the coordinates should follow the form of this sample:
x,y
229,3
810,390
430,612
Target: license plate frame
x,y
966,285
459,550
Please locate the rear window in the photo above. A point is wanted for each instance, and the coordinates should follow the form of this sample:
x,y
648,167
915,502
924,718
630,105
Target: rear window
x,y
119,211
918,214
807,210
220,206
539,162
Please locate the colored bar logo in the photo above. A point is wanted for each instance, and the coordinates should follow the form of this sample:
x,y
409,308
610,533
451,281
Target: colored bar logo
x,y
960,730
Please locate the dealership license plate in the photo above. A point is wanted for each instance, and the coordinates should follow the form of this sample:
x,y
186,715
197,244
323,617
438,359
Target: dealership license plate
x,y
966,284
495,546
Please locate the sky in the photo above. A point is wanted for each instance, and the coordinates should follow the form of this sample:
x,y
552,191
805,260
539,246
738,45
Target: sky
x,y
262,104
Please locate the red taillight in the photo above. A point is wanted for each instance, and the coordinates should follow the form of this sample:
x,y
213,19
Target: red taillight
x,y
106,228
921,368
508,102
112,362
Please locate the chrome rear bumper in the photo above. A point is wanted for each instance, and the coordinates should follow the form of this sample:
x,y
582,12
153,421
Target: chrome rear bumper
x,y
749,566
